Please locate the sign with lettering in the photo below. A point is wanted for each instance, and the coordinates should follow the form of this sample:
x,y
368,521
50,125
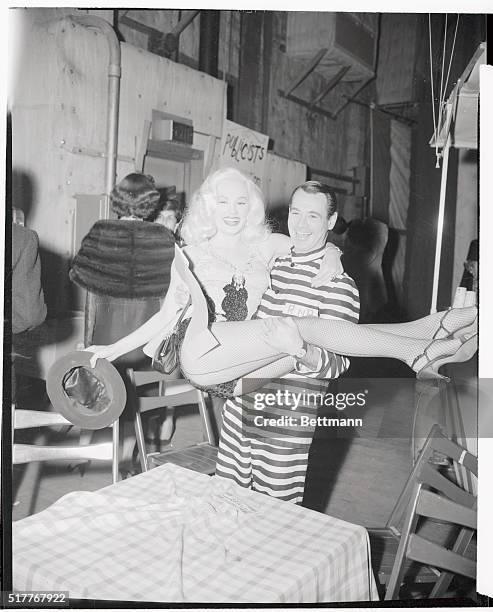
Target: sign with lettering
x,y
244,149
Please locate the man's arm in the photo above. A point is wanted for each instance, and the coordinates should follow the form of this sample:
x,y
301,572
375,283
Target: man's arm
x,y
28,305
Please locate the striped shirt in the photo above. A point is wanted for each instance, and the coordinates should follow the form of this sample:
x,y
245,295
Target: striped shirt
x,y
291,294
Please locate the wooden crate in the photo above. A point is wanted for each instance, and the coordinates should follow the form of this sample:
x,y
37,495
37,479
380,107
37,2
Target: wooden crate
x,y
351,39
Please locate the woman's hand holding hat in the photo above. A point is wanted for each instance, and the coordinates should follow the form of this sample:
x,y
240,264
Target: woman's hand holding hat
x,y
109,352
89,397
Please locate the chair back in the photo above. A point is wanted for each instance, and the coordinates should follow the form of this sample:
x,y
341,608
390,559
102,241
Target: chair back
x,y
26,453
418,548
171,393
452,503
429,474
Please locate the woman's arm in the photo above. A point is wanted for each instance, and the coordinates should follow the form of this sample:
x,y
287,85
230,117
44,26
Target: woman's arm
x,y
157,324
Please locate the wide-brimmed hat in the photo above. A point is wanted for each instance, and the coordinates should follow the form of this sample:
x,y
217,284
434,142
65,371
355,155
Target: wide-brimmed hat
x,y
91,398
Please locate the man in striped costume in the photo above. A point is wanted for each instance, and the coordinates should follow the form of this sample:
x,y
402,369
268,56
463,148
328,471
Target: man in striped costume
x,y
264,444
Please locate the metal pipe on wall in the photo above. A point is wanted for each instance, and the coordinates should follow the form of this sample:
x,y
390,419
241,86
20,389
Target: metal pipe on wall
x,y
209,42
114,74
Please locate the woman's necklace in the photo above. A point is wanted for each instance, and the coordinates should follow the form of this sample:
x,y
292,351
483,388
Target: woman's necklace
x,y
234,303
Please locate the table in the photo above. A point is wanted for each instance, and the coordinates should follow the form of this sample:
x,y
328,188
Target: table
x,y
173,535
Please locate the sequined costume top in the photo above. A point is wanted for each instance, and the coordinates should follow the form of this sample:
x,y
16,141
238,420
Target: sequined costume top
x,y
236,291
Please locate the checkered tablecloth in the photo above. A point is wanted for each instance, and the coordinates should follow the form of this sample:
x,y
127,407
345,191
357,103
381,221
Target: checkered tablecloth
x,y
172,535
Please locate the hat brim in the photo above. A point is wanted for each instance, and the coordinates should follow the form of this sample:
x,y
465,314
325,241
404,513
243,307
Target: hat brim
x,y
86,416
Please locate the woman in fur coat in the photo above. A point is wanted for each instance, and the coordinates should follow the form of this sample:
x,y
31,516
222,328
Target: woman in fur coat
x,y
124,265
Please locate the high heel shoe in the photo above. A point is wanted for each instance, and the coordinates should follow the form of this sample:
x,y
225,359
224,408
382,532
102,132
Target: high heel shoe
x,y
468,347
459,331
467,330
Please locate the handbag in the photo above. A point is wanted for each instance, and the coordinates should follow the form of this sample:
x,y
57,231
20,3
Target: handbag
x,y
165,358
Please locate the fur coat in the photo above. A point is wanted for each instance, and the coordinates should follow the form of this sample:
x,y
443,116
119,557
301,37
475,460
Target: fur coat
x,y
125,259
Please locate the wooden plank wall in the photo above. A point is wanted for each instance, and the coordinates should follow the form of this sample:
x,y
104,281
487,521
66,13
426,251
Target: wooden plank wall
x,y
283,175
165,20
58,107
297,133
263,67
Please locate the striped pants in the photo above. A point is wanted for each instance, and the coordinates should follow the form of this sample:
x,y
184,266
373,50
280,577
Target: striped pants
x,y
277,469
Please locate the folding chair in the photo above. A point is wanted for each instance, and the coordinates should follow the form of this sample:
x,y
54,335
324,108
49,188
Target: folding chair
x,y
42,451
419,549
25,453
200,457
385,541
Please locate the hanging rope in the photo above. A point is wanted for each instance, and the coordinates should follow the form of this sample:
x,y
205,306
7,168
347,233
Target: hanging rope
x,y
437,124
442,93
452,52
435,129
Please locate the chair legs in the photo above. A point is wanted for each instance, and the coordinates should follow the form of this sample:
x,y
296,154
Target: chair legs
x,y
206,419
460,547
139,434
395,580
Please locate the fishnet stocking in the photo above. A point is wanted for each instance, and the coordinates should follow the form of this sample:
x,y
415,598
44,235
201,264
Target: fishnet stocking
x,y
452,320
242,350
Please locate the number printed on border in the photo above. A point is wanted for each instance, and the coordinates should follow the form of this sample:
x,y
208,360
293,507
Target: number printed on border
x,y
35,599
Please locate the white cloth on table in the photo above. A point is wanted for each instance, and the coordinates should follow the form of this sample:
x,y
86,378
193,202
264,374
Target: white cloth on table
x,y
172,535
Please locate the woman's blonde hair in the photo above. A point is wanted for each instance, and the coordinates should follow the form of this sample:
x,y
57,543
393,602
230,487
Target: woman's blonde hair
x,y
198,222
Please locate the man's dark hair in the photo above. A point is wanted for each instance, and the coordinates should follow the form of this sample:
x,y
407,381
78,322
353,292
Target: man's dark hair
x,y
315,187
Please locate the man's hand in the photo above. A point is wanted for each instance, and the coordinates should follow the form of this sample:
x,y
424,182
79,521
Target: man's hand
x,y
281,333
330,268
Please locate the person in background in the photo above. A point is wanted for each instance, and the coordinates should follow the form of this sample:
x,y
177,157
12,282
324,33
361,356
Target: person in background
x,y
28,304
124,266
470,278
171,213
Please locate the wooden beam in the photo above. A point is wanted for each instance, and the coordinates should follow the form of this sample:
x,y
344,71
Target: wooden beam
x,y
140,27
184,23
308,70
308,105
333,175
250,89
267,68
373,106
331,84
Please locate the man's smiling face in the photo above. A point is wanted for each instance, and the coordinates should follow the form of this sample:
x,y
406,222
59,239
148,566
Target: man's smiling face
x,y
308,222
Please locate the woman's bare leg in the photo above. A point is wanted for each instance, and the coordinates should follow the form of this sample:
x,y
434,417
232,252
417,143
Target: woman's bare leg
x,y
255,380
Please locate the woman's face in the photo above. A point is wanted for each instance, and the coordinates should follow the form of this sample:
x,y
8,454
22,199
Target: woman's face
x,y
168,219
232,206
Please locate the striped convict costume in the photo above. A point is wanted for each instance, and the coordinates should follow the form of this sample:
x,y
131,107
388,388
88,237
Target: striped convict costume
x,y
272,456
